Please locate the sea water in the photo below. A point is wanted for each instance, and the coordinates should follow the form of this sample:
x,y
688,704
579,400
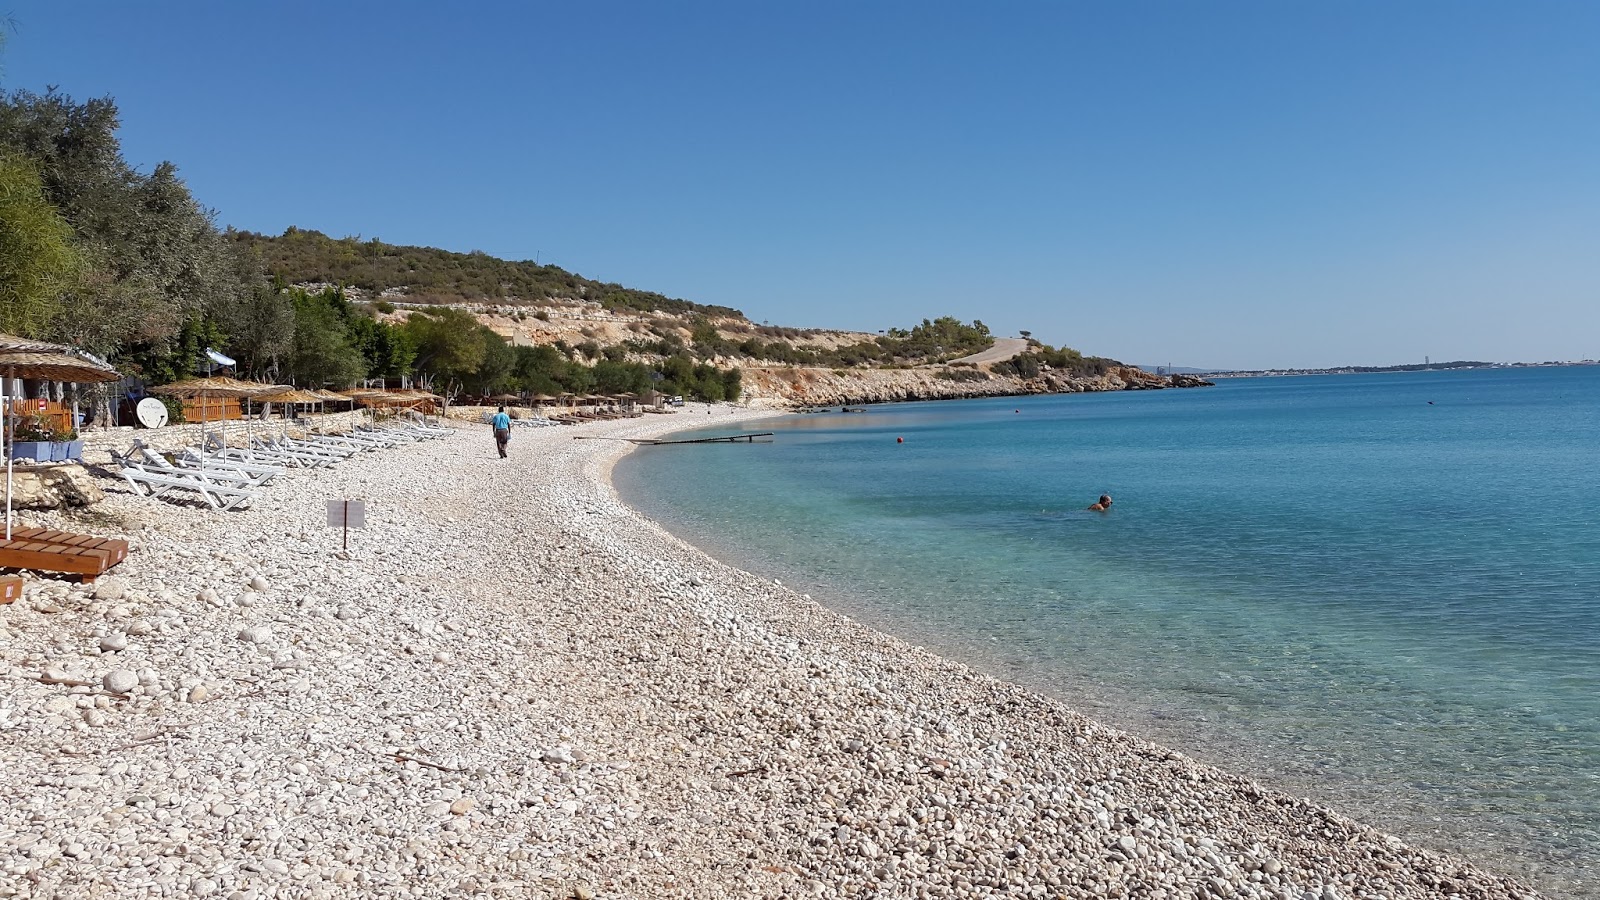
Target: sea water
x,y
1379,591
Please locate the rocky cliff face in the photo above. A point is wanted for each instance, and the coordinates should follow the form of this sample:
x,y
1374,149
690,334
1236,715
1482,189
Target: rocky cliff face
x,y
825,387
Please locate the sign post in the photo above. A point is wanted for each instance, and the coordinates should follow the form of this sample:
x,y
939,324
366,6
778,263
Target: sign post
x,y
347,514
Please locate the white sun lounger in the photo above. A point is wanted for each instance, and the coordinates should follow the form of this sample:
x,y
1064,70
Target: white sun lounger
x,y
236,473
151,482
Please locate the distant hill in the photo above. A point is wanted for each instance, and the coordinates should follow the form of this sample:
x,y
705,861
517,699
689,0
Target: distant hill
x,y
431,275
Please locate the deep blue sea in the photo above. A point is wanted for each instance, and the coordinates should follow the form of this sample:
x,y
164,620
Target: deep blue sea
x,y
1379,591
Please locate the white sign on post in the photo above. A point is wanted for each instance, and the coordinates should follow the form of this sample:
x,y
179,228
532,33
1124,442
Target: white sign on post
x,y
347,514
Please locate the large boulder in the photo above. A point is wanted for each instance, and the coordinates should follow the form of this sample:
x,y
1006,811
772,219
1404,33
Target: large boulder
x,y
53,486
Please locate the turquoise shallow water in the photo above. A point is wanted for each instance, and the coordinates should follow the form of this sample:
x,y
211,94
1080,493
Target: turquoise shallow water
x,y
1326,582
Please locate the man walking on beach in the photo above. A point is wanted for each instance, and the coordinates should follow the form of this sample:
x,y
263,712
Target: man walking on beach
x,y
501,423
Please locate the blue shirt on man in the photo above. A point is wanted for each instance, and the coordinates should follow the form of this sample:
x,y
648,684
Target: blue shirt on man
x,y
500,420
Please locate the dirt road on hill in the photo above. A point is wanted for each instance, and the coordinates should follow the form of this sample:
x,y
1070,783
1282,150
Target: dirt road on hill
x,y
1003,349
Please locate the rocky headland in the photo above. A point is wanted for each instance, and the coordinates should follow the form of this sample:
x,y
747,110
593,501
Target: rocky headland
x,y
804,386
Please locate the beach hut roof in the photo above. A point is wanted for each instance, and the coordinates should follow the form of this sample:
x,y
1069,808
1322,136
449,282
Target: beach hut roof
x,y
12,342
55,365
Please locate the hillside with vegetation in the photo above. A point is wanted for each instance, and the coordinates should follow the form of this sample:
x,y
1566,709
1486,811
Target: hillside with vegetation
x,y
128,265
432,276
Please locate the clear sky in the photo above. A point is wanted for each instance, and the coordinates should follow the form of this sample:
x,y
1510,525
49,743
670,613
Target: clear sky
x,y
1216,183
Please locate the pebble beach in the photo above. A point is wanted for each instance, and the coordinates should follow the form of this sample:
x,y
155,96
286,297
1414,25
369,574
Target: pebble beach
x,y
513,685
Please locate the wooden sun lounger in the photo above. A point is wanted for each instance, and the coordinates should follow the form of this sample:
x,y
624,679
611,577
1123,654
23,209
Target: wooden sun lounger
x,y
87,562
117,549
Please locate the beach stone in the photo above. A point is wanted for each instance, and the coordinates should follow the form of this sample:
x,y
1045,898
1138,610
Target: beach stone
x,y
114,642
120,681
140,627
558,755
199,694
260,584
463,806
256,634
110,588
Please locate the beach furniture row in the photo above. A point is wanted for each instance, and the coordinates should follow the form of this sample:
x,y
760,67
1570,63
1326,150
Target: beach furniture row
x,y
226,477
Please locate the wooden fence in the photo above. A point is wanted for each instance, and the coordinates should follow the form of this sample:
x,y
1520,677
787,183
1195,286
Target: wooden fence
x,y
52,415
212,409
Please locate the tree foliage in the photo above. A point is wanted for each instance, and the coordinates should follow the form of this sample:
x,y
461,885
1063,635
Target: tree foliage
x,y
37,260
153,261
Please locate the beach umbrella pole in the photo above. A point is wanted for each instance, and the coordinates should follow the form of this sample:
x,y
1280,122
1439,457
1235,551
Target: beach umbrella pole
x,y
11,443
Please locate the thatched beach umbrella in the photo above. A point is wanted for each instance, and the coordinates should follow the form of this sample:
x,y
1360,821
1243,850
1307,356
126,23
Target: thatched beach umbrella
x,y
216,386
22,358
289,397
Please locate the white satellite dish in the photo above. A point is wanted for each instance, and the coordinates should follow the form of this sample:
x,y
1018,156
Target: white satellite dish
x,y
151,413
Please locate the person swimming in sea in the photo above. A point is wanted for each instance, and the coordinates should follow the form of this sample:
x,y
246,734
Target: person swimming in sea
x,y
1101,505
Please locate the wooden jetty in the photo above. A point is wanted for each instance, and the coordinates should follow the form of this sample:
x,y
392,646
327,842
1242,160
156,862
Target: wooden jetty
x,y
651,442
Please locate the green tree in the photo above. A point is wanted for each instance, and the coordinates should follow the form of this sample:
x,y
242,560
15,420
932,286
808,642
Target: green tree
x,y
258,322
153,260
493,372
322,354
446,340
37,261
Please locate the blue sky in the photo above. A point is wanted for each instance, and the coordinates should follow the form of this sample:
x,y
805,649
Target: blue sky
x,y
1222,183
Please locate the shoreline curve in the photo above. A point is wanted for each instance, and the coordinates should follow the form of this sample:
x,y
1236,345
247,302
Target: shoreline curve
x,y
514,684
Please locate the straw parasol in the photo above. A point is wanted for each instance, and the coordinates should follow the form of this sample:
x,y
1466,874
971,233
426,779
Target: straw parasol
x,y
219,386
24,358
289,396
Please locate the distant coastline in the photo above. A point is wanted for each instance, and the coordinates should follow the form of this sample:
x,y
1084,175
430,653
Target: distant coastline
x,y
1412,367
